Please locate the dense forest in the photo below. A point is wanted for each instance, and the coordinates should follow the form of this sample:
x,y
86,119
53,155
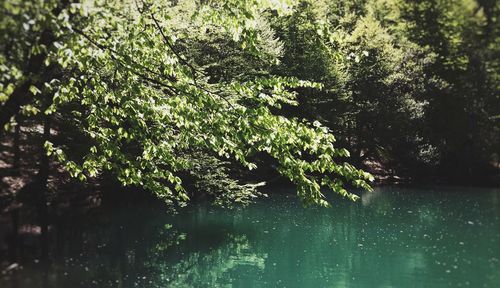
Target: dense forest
x,y
210,99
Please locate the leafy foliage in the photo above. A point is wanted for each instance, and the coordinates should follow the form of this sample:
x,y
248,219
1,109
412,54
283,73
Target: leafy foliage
x,y
131,86
163,93
398,79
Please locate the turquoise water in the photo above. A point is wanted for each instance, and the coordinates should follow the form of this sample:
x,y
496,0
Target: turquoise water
x,y
393,237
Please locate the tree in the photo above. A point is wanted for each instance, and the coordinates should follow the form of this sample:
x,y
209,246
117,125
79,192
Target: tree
x,y
119,72
373,76
462,89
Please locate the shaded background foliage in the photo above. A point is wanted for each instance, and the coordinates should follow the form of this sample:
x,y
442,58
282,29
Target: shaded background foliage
x,y
408,84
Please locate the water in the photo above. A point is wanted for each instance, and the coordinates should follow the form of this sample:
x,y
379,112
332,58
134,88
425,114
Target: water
x,y
394,237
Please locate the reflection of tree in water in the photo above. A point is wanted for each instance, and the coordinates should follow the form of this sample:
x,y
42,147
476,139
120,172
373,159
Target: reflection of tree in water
x,y
211,268
98,248
122,250
401,238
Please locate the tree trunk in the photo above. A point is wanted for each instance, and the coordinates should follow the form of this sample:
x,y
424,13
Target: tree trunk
x,y
17,150
18,98
43,176
14,243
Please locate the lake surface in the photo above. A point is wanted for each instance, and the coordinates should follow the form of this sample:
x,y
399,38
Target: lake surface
x,y
393,237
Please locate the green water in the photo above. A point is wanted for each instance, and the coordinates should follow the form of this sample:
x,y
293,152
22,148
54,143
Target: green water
x,y
394,237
